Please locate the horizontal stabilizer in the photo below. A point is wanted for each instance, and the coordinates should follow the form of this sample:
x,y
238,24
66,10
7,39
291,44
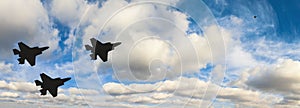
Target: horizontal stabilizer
x,y
43,91
21,60
87,47
38,83
16,51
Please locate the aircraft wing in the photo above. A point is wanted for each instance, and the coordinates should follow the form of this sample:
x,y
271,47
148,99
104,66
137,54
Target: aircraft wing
x,y
31,60
53,91
22,46
103,56
94,42
45,78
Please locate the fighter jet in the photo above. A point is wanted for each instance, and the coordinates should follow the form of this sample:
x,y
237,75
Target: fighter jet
x,y
50,84
28,53
100,49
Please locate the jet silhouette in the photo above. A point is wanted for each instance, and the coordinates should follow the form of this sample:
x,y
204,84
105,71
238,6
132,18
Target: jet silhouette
x,y
100,49
28,53
50,84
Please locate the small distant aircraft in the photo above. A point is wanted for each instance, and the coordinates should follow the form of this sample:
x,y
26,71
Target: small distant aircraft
x,y
28,53
50,84
100,49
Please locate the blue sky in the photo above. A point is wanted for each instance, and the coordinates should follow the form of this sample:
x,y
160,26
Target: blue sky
x,y
288,23
174,53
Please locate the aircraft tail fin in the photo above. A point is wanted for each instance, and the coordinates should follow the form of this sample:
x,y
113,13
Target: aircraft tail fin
x,y
16,51
38,83
43,91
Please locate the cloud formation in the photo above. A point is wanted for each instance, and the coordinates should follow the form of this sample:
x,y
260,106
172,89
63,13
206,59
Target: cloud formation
x,y
188,90
27,22
157,38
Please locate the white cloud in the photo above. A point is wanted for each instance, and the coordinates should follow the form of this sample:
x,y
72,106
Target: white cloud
x,y
183,91
27,22
9,94
15,92
68,12
180,53
160,96
162,29
5,67
243,96
19,86
64,99
252,60
238,58
281,78
273,50
96,17
77,91
181,86
236,20
138,99
170,28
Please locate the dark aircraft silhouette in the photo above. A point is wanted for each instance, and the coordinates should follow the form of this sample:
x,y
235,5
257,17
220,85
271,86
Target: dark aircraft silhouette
x,y
50,84
28,53
100,49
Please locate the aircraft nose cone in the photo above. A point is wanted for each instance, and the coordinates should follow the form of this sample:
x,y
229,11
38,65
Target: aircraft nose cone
x,y
44,48
117,44
66,79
